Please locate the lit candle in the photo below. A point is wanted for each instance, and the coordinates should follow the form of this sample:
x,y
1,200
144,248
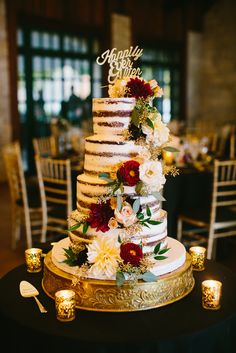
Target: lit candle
x,y
211,294
198,255
65,305
168,157
33,259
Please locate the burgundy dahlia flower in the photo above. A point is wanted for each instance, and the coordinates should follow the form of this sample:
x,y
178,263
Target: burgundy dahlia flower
x,y
138,88
129,172
100,214
131,253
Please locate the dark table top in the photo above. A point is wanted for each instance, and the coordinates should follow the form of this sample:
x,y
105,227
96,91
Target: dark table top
x,y
183,326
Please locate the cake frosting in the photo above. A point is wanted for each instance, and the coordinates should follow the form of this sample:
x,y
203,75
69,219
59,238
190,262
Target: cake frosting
x,y
119,229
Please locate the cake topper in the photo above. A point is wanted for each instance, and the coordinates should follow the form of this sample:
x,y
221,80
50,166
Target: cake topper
x,y
121,64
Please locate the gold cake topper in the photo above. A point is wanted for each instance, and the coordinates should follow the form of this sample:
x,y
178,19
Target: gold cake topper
x,y
121,64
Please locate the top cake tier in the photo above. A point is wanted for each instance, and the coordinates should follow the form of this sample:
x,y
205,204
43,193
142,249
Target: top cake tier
x,y
111,116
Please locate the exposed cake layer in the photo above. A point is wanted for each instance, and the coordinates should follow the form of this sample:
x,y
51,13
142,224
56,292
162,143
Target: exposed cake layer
x,y
150,236
102,152
112,115
90,188
176,257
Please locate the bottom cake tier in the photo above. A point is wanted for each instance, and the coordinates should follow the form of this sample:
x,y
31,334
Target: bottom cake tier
x,y
104,295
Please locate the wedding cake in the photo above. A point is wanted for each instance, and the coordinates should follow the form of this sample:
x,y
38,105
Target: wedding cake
x,y
117,247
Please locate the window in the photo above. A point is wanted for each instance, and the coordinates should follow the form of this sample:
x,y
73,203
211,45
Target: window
x,y
164,66
57,77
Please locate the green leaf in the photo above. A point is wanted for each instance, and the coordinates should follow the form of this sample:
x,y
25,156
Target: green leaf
x,y
151,221
116,187
136,205
120,278
119,202
149,277
119,239
160,257
71,258
150,123
145,224
138,187
121,187
163,251
158,196
85,227
106,177
140,216
157,248
135,117
146,219
74,227
149,213
170,149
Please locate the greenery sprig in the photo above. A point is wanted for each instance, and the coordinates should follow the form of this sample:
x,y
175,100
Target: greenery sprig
x,y
146,221
159,252
77,225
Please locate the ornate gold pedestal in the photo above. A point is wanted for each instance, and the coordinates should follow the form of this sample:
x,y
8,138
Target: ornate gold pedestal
x,y
100,295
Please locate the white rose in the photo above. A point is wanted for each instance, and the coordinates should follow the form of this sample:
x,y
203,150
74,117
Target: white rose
x,y
160,132
126,215
144,154
148,131
151,174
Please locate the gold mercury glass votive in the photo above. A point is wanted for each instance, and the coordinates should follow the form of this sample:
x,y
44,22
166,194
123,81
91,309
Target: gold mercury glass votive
x,y
198,254
33,259
65,305
211,294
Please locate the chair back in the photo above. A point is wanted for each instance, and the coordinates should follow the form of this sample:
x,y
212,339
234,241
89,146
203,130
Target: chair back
x,y
54,176
15,172
233,143
223,216
224,184
45,146
19,197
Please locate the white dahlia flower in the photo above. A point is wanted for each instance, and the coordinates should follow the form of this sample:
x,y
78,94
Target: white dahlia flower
x,y
103,254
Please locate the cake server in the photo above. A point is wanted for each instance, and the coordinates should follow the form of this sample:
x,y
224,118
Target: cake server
x,y
27,290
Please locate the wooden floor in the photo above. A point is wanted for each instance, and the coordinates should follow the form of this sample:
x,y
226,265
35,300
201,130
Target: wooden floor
x,y
11,258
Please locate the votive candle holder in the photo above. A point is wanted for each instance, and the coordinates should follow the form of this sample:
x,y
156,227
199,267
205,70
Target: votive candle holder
x,y
65,304
33,259
198,255
211,294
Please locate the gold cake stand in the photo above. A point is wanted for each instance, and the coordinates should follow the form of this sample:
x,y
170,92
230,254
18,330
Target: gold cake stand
x,y
101,295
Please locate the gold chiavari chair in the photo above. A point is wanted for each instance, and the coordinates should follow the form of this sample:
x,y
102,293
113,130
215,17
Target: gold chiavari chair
x,y
54,176
45,146
25,206
220,220
233,143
